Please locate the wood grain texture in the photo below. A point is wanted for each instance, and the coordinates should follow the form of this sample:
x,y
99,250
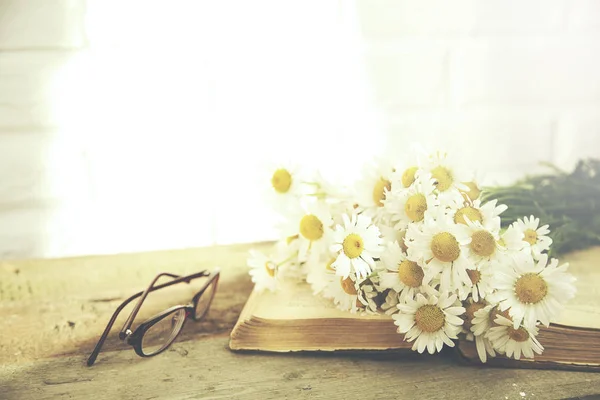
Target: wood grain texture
x,y
56,310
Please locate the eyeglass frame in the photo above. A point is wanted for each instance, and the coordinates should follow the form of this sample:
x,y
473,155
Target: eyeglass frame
x,y
134,338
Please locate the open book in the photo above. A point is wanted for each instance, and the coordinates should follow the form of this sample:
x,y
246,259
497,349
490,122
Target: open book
x,y
293,319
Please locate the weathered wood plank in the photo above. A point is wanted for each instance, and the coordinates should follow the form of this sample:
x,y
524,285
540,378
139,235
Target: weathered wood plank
x,y
54,306
54,310
206,369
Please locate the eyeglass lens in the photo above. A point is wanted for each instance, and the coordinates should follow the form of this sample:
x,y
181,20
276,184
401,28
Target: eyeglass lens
x,y
161,334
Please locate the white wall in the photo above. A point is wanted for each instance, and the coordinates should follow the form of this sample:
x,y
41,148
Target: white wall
x,y
508,83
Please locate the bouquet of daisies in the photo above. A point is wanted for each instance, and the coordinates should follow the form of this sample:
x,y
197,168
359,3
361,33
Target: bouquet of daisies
x,y
414,241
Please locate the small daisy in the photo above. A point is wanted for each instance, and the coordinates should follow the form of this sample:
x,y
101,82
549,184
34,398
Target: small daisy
x,y
448,176
534,292
514,341
483,319
405,277
442,248
535,237
310,224
372,190
319,275
356,243
343,292
430,321
474,190
410,205
263,271
404,175
484,246
482,279
512,246
284,184
488,214
482,344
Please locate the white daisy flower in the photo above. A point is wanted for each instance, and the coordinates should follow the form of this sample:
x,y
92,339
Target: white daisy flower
x,y
483,318
284,184
430,321
402,275
482,344
488,214
410,205
263,271
389,234
372,190
404,175
356,243
535,237
343,292
482,279
534,292
448,175
484,246
310,224
514,341
474,188
319,274
441,247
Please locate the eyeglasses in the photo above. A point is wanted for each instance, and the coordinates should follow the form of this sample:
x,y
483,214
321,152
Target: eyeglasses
x,y
156,334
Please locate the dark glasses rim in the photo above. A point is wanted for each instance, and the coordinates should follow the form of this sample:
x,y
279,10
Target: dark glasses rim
x,y
125,332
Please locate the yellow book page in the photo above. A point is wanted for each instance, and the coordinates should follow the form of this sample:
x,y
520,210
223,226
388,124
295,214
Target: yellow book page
x,y
584,309
294,301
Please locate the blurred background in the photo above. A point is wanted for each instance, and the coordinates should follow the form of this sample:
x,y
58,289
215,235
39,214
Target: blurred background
x,y
140,125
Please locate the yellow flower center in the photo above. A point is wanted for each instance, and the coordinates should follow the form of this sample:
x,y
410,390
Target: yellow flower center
x,y
353,245
281,180
410,273
348,286
401,242
469,314
530,236
271,268
474,275
531,288
311,227
415,207
444,178
518,335
408,177
473,193
379,191
430,318
472,213
444,247
495,312
483,243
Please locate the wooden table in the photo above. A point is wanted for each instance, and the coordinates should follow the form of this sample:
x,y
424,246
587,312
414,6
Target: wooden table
x,y
53,312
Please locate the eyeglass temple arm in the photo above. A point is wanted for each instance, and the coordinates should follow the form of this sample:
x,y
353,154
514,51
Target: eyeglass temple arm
x,y
136,309
112,320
